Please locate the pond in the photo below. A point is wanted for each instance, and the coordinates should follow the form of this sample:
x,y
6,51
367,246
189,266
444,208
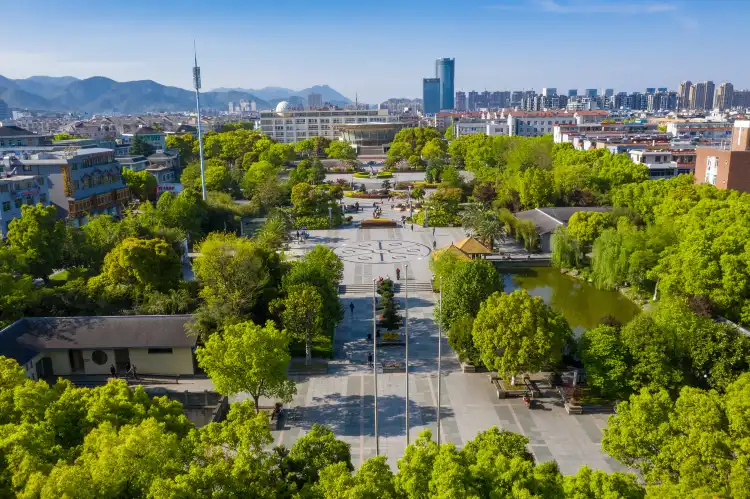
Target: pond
x,y
582,305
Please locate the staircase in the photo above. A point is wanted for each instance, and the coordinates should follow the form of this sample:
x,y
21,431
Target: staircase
x,y
414,287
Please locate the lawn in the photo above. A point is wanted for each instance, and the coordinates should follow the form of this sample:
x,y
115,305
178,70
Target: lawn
x,y
322,347
69,275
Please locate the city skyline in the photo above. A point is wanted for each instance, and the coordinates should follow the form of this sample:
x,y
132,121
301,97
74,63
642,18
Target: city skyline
x,y
234,57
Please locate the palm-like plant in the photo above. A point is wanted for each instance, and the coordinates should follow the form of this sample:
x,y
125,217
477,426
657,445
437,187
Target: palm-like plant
x,y
483,224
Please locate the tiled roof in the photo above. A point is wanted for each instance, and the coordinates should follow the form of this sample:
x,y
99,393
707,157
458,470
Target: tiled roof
x,y
25,338
14,131
471,246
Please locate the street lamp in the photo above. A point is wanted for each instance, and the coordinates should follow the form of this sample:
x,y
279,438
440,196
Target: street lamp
x,y
375,360
440,356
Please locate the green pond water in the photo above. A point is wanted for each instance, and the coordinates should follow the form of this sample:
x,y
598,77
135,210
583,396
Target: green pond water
x,y
582,305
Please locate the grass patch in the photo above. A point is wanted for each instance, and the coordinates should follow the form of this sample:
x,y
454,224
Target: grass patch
x,y
69,275
322,347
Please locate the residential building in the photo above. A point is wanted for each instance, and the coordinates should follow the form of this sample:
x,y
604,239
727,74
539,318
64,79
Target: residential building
x,y
549,92
536,123
288,125
491,127
402,106
684,94
445,72
702,95
431,95
659,163
728,165
706,130
723,97
165,166
573,92
471,105
49,347
14,136
133,163
608,92
590,92
5,113
314,100
741,99
16,190
460,101
154,138
81,182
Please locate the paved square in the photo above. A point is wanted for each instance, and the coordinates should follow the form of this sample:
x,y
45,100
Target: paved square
x,y
344,399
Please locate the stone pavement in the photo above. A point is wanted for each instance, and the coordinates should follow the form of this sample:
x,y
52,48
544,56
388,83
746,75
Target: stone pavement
x,y
344,398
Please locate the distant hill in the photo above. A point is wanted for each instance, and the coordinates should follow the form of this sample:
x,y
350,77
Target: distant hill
x,y
279,94
104,95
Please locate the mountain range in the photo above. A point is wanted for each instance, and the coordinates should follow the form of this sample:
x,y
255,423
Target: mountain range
x,y
103,95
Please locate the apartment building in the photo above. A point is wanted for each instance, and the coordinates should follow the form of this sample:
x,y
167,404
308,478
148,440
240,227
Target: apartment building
x,y
17,190
155,138
80,183
726,166
659,163
287,125
710,130
14,136
490,127
536,123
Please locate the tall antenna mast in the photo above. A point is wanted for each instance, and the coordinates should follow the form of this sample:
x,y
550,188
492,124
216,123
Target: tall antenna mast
x,y
197,85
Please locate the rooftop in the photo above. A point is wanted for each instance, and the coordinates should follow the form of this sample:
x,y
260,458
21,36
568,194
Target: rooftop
x,y
27,337
15,131
548,219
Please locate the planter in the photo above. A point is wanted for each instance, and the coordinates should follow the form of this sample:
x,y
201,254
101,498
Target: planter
x,y
378,223
393,367
468,367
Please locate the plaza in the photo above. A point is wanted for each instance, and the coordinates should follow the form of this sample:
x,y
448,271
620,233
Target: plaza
x,y
344,398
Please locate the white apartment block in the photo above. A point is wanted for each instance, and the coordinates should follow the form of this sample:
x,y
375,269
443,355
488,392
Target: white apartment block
x,y
288,126
491,127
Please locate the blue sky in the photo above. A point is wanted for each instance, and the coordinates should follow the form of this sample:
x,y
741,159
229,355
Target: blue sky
x,y
383,48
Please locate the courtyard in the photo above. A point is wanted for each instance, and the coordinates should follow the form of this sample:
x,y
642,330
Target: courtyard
x,y
344,398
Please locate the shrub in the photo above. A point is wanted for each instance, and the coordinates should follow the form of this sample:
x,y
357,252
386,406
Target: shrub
x,y
391,336
362,195
313,223
384,175
349,169
361,175
426,185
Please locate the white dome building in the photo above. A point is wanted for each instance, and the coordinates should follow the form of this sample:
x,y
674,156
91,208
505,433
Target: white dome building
x,y
282,107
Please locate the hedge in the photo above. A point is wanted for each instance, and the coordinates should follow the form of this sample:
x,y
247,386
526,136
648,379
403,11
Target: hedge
x,y
313,223
363,195
361,175
384,175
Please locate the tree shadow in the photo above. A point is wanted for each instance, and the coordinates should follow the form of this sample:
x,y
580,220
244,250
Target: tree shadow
x,y
352,415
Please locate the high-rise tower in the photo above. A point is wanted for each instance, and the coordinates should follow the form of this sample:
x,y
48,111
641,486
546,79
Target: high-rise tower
x,y
445,71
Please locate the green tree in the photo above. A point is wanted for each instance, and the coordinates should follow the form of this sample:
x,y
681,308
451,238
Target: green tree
x,y
63,136
470,283
312,453
434,149
565,250
139,147
303,316
249,358
38,236
586,226
341,150
233,273
256,174
595,484
607,361
373,480
140,264
517,333
184,144
142,184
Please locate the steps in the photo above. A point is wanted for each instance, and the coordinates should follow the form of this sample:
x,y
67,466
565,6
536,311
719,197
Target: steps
x,y
414,287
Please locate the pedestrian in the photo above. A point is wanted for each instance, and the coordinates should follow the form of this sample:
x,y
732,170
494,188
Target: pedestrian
x,y
412,227
113,370
398,274
434,244
133,372
369,359
351,307
433,232
298,235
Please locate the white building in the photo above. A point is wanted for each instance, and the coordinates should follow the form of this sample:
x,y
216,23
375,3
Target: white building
x,y
659,163
536,123
288,126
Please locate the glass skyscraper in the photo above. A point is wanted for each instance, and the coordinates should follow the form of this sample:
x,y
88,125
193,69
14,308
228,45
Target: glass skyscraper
x,y
445,72
431,95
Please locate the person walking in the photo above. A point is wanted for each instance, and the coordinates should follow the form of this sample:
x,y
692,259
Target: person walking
x,y
412,227
351,307
113,370
433,232
434,244
398,274
369,359
133,372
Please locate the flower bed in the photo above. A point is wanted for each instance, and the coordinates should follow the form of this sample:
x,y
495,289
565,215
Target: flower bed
x,y
393,366
361,175
377,222
390,336
425,185
362,195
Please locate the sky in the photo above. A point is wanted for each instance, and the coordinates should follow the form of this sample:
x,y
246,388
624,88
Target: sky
x,y
382,49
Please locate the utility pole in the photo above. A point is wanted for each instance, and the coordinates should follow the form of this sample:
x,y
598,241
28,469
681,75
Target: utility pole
x,y
197,85
440,356
406,336
375,360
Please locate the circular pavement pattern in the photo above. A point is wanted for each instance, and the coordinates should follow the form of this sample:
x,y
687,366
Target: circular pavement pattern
x,y
377,252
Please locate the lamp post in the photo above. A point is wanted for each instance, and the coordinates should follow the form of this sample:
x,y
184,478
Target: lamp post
x,y
197,85
375,360
440,356
406,337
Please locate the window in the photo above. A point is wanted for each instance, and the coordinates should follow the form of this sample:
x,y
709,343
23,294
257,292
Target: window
x,y
712,164
6,205
160,350
99,357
